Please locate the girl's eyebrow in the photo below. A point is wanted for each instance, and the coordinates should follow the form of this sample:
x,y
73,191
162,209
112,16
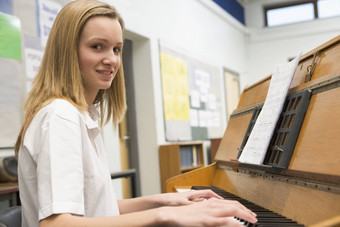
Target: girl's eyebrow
x,y
98,39
95,39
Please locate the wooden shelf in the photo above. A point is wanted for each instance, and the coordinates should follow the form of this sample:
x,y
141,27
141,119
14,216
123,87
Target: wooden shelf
x,y
175,159
187,169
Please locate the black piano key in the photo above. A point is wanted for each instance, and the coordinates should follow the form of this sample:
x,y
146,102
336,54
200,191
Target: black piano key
x,y
268,215
274,220
277,224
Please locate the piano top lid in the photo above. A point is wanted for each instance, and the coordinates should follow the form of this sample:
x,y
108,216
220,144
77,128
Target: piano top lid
x,y
321,48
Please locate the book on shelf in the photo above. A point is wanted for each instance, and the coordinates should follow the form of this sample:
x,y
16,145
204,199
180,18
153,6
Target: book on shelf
x,y
189,156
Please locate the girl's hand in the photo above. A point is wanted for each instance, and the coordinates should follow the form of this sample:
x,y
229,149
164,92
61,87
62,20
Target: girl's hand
x,y
212,212
186,198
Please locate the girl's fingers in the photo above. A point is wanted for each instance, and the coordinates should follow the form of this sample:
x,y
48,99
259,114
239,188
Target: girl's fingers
x,y
206,194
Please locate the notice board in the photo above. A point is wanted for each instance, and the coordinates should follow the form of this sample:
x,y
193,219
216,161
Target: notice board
x,y
192,91
10,79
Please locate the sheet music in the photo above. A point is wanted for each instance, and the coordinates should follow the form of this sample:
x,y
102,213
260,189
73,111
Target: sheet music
x,y
256,147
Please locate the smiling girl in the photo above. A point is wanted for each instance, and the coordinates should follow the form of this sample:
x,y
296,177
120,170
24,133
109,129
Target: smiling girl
x,y
64,179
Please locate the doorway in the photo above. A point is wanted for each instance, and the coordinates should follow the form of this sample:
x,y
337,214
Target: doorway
x,y
128,139
232,90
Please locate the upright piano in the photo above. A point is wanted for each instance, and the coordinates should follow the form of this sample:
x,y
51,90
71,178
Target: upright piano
x,y
306,188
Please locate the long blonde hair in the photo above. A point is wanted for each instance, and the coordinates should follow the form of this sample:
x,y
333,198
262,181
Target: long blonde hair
x,y
59,75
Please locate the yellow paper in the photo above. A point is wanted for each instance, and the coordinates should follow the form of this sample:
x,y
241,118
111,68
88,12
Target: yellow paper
x,y
175,88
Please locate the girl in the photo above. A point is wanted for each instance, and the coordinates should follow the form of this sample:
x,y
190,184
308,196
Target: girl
x,y
64,179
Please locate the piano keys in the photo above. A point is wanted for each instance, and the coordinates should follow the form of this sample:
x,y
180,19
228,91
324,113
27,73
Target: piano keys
x,y
307,190
265,217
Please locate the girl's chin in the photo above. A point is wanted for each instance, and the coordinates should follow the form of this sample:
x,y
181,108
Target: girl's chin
x,y
106,85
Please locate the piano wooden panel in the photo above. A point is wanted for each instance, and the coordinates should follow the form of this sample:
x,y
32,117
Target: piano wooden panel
x,y
304,205
318,145
309,190
233,137
254,94
327,65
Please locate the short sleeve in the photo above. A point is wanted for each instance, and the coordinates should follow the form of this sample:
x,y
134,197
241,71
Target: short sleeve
x,y
59,167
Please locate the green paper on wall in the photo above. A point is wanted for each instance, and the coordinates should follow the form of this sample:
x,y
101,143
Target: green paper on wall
x,y
10,38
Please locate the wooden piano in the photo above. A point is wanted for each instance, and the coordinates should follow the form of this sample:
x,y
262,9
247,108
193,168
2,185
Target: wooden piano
x,y
308,189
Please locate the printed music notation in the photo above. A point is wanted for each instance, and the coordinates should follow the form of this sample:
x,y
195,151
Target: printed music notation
x,y
256,147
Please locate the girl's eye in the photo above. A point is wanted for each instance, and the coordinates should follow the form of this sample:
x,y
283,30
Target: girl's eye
x,y
116,50
96,47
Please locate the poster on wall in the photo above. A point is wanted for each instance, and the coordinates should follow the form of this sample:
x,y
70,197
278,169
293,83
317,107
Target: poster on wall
x,y
10,37
176,104
10,101
47,12
10,79
192,93
33,56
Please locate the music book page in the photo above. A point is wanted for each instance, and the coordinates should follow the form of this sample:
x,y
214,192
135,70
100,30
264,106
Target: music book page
x,y
256,147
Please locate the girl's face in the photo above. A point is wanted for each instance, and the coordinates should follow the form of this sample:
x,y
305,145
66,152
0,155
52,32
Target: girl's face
x,y
100,45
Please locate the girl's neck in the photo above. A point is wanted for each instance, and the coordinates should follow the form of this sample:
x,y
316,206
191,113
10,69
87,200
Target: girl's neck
x,y
90,98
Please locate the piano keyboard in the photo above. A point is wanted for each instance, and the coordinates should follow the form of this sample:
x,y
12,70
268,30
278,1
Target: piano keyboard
x,y
264,217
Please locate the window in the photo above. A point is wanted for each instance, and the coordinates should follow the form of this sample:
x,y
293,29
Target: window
x,y
290,14
300,11
328,8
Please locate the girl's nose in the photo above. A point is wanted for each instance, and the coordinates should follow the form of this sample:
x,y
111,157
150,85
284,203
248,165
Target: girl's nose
x,y
111,59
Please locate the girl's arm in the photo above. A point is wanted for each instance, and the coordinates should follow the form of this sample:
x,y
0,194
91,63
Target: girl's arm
x,y
211,212
165,199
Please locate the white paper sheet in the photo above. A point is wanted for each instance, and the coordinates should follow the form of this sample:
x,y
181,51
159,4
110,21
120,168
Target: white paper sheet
x,y
48,11
10,101
194,118
33,59
256,147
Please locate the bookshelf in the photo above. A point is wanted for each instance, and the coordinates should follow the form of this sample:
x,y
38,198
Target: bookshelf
x,y
175,159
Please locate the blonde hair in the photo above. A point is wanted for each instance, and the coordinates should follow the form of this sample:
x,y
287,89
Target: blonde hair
x,y
59,75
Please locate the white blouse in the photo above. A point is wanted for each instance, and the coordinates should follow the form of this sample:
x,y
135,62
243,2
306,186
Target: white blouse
x,y
63,167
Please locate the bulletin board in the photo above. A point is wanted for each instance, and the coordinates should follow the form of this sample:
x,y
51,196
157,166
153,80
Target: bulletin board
x,y
22,41
192,93
10,79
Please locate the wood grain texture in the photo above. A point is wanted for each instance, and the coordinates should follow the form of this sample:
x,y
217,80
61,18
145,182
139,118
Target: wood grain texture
x,y
202,176
305,205
233,137
318,147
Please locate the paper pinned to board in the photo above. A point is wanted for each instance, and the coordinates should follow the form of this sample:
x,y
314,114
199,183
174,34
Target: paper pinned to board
x,y
256,147
10,101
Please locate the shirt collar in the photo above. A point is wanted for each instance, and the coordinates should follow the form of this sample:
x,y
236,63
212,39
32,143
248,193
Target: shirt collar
x,y
92,117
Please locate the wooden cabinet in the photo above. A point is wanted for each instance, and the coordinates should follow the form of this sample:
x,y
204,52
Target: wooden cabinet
x,y
175,159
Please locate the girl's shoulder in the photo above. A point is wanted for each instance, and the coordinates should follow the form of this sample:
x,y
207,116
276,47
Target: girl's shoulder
x,y
61,108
